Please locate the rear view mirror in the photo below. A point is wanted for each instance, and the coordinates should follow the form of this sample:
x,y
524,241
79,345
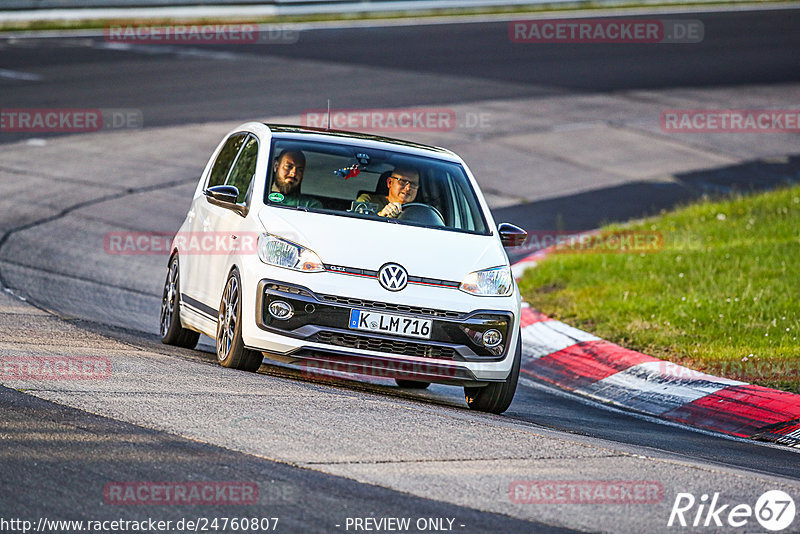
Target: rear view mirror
x,y
511,236
223,193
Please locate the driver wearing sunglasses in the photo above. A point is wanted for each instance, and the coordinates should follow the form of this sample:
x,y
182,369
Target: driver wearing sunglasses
x,y
403,185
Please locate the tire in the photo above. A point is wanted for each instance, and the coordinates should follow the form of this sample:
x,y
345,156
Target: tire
x,y
497,396
411,384
231,351
172,332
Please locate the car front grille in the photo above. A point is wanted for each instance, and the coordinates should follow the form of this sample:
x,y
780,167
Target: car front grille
x,y
385,306
406,348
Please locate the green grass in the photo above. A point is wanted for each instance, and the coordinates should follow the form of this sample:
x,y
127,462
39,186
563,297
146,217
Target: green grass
x,y
722,296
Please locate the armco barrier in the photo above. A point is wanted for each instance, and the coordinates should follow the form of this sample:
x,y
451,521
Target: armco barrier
x,y
364,5
21,11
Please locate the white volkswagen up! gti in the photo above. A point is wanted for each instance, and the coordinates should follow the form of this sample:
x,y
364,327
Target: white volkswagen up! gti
x,y
297,248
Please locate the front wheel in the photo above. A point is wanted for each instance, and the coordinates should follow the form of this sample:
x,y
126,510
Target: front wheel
x,y
497,396
172,332
231,351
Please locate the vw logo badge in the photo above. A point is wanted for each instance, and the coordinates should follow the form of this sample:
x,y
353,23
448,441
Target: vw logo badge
x,y
393,277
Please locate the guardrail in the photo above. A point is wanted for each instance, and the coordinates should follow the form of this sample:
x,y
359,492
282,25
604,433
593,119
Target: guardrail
x,y
21,11
71,4
14,5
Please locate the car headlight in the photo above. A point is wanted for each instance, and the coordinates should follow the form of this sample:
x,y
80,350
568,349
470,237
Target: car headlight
x,y
494,282
281,253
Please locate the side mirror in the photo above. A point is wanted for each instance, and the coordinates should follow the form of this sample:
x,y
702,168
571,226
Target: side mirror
x,y
226,194
511,236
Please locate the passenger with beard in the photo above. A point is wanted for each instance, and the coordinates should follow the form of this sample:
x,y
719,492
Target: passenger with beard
x,y
287,176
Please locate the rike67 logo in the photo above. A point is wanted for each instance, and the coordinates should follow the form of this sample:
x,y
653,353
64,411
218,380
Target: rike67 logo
x,y
774,511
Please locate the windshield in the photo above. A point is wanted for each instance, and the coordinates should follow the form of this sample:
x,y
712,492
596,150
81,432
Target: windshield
x,y
354,181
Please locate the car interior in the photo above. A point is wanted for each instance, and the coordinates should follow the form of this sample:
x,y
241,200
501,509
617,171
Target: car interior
x,y
338,176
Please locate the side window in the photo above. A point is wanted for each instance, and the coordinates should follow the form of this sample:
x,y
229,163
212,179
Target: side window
x,y
225,159
244,169
463,206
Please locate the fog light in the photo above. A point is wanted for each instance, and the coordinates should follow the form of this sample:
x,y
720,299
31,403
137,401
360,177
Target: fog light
x,y
280,309
492,338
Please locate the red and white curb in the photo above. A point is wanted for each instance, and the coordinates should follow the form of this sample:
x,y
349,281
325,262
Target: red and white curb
x,y
586,365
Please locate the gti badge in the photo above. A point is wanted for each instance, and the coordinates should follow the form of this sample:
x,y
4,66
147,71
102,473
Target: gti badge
x,y
393,277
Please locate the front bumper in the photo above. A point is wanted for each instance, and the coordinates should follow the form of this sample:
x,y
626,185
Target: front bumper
x,y
318,330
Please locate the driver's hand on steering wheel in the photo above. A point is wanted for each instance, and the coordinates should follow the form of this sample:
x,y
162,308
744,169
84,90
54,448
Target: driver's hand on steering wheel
x,y
392,210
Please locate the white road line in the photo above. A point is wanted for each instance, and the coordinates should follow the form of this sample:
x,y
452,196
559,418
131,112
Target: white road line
x,y
181,51
16,75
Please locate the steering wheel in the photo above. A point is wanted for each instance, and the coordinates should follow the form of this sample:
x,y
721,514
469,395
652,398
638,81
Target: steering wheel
x,y
423,213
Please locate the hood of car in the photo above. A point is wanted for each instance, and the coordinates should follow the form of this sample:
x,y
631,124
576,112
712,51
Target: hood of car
x,y
369,244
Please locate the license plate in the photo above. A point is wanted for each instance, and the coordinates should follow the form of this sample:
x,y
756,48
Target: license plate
x,y
390,324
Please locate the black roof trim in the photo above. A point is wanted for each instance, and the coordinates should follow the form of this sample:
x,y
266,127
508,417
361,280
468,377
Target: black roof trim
x,y
289,128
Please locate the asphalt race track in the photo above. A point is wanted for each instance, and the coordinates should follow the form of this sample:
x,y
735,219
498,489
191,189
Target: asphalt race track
x,y
322,451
